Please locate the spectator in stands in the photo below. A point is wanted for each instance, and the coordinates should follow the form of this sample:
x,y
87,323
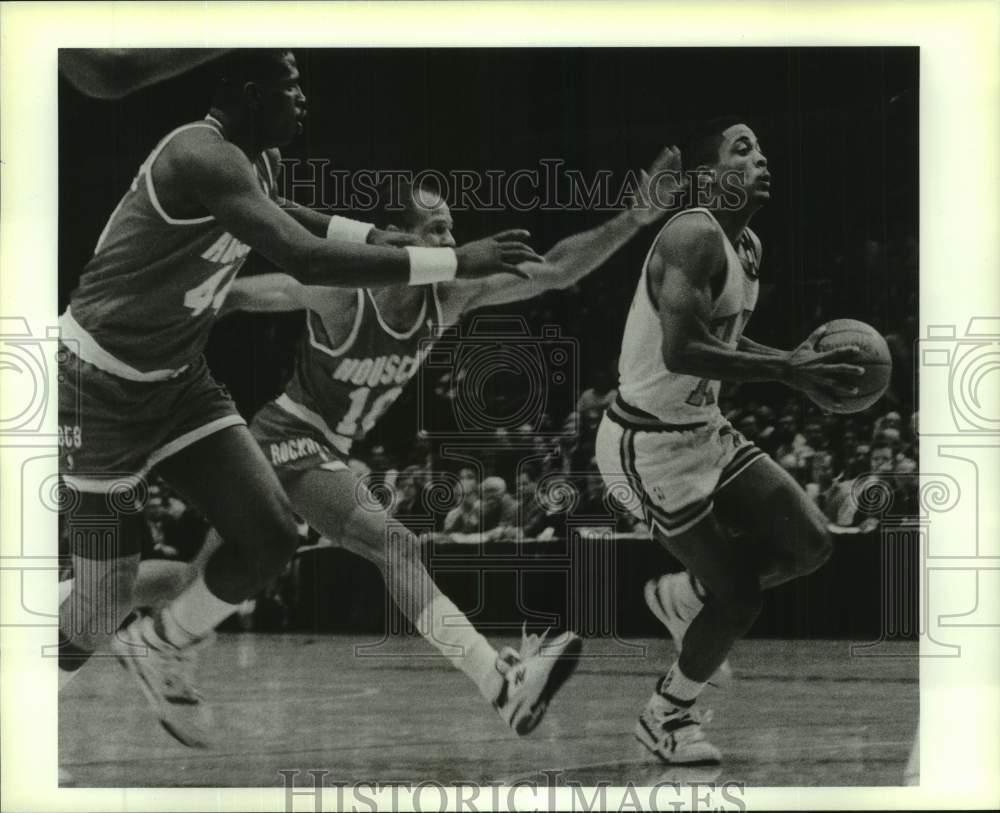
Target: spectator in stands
x,y
599,397
533,516
498,507
177,530
489,517
604,508
841,505
382,480
789,439
820,478
816,438
409,503
464,517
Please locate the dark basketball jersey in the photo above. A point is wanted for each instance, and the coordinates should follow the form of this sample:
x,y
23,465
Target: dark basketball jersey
x,y
343,390
147,298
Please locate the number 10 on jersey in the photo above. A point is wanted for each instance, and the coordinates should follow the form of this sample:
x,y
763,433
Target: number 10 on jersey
x,y
348,425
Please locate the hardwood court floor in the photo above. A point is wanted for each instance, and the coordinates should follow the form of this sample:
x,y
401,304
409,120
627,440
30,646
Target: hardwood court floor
x,y
796,713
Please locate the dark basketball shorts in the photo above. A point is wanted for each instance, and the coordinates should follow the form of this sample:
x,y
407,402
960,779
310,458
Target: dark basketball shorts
x,y
113,430
293,445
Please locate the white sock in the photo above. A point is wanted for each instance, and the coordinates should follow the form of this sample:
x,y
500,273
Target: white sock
x,y
446,628
678,689
194,613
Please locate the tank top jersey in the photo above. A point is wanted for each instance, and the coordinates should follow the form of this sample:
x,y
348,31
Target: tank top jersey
x,y
645,382
343,390
148,297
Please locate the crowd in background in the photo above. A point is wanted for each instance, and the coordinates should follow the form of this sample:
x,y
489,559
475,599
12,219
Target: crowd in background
x,y
527,479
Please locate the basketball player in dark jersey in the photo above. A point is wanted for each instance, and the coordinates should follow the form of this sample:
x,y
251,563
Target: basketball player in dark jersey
x,y
356,354
135,391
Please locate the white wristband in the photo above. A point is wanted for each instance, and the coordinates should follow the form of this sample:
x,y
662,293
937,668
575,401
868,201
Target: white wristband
x,y
429,265
350,231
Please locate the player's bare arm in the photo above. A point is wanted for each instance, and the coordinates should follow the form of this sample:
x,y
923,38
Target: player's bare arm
x,y
318,223
266,293
747,345
576,256
218,177
689,255
281,293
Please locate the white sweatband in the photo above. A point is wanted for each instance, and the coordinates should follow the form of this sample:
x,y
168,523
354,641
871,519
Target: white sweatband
x,y
350,231
429,265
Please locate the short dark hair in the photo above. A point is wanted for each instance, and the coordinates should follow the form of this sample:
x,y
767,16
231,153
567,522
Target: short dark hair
x,y
397,204
242,65
703,139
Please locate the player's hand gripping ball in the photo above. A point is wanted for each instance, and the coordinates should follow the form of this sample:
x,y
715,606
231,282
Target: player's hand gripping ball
x,y
874,357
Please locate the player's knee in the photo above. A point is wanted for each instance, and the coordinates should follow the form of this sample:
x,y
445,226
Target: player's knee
x,y
740,600
275,532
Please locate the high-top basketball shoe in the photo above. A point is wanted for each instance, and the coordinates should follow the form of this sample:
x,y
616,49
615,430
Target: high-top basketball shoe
x,y
164,674
674,734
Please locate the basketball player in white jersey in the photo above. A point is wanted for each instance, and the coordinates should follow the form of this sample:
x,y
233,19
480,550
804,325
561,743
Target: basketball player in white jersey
x,y
665,442
356,354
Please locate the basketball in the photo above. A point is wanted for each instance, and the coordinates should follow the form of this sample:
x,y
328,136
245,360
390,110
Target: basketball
x,y
875,358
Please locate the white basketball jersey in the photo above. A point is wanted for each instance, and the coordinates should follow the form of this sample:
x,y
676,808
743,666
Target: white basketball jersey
x,y
645,383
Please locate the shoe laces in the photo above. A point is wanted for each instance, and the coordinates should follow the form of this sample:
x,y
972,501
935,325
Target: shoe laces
x,y
677,717
531,645
177,663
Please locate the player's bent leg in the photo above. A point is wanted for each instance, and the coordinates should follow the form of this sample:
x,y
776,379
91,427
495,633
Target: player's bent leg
x,y
100,595
227,475
675,599
519,684
160,581
725,568
766,500
669,725
642,471
232,482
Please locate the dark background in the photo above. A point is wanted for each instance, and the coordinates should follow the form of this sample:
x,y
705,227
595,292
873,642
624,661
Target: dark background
x,y
839,127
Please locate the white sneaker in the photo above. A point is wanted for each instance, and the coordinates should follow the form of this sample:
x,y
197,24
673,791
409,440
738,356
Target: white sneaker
x,y
532,676
674,734
179,686
164,673
677,618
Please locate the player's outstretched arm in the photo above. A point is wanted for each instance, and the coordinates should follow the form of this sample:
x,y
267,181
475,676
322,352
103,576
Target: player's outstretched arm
x,y
333,227
218,176
572,258
265,293
688,255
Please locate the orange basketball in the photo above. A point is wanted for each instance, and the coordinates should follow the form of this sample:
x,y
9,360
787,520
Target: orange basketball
x,y
875,358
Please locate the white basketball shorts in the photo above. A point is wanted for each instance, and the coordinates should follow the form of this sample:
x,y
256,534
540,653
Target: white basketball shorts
x,y
668,478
